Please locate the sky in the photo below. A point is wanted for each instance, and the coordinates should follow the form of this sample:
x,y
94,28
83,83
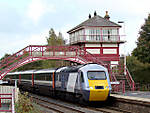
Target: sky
x,y
27,22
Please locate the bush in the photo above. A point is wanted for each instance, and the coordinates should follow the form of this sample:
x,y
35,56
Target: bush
x,y
25,105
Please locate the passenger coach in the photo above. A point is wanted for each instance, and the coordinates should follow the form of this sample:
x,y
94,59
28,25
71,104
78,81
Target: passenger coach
x,y
88,82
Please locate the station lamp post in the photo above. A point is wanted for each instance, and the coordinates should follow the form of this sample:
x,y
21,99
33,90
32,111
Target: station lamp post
x,y
122,22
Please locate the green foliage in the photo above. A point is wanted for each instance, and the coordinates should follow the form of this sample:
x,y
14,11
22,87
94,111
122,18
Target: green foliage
x,y
139,71
5,56
54,63
139,62
53,39
43,64
31,66
4,62
25,105
142,52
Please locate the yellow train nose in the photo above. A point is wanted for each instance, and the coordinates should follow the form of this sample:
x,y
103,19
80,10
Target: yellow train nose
x,y
98,95
99,90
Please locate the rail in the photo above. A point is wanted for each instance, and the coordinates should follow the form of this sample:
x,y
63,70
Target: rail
x,y
62,106
133,104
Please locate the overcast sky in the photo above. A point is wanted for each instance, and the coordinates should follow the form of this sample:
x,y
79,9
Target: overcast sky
x,y
27,22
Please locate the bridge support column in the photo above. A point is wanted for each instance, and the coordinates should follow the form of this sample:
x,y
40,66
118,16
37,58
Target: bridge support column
x,y
0,102
32,80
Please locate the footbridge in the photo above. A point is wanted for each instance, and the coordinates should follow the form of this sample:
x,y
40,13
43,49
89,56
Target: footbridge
x,y
35,52
77,54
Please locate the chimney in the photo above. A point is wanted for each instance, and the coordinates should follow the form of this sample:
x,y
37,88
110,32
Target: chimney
x,y
89,16
95,14
107,17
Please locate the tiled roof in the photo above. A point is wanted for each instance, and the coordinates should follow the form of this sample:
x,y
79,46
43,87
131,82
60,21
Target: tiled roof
x,y
96,21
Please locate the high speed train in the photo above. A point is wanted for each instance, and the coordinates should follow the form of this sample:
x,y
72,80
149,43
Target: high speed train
x,y
88,82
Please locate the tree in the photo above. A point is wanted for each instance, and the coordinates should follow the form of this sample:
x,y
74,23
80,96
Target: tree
x,y
60,39
31,66
5,56
3,61
142,52
53,39
139,71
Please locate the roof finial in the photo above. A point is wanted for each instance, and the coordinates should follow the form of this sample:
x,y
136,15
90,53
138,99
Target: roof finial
x,y
107,16
95,14
89,15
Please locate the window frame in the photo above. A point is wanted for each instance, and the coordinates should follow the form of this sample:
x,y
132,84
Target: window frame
x,y
97,79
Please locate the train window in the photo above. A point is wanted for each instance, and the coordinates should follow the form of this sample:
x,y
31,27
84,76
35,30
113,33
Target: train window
x,y
96,75
43,76
50,76
81,77
27,76
59,77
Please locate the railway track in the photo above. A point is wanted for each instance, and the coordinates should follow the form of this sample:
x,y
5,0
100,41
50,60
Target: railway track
x,y
58,106
111,110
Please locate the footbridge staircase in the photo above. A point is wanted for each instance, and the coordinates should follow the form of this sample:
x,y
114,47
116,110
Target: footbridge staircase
x,y
71,53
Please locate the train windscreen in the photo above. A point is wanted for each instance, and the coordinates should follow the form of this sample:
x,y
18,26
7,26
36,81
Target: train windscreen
x,y
96,75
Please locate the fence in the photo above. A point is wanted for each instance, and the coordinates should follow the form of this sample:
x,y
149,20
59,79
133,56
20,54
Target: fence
x,y
118,86
8,95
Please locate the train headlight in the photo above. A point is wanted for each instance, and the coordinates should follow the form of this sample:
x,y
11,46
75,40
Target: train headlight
x,y
91,87
107,87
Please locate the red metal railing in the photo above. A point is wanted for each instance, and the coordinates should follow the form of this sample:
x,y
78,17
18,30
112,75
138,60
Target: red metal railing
x,y
90,57
0,102
10,59
130,80
95,38
36,52
118,70
11,97
122,82
73,53
119,87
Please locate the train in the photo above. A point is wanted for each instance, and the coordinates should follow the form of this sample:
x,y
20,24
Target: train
x,y
87,82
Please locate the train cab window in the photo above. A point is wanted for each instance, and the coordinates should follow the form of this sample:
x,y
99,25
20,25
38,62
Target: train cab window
x,y
81,77
96,75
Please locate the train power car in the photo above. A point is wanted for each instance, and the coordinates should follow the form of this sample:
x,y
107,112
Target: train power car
x,y
88,82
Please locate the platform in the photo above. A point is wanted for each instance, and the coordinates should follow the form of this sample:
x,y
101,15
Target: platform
x,y
134,95
134,102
